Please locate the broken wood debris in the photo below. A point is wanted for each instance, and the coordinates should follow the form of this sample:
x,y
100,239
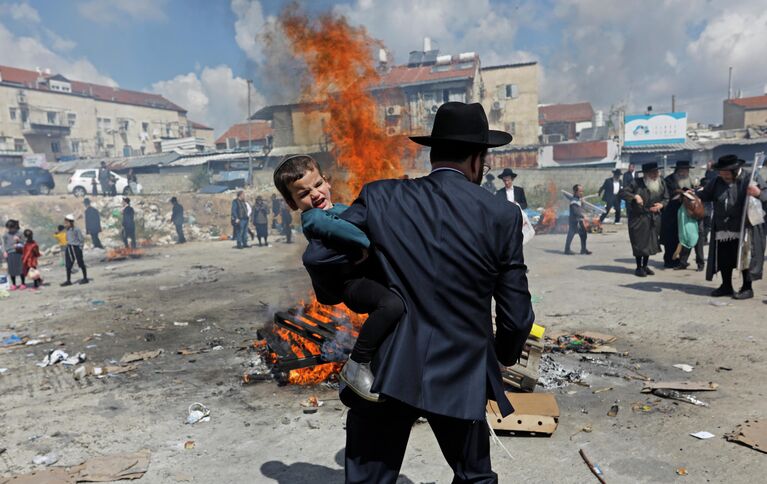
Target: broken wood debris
x,y
688,386
751,434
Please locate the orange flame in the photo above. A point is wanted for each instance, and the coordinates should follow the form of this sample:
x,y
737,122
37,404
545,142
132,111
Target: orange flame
x,y
123,253
341,68
304,348
548,218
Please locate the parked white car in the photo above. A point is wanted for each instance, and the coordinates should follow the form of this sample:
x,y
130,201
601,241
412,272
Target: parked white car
x,y
80,183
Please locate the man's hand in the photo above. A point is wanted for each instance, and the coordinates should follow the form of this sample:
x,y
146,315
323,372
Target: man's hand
x,y
638,199
656,208
754,191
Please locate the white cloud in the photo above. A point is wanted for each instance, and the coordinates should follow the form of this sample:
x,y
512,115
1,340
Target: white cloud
x,y
30,53
215,97
115,11
59,43
20,12
248,27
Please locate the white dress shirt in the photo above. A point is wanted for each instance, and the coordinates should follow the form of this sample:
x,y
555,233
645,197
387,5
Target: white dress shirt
x,y
510,194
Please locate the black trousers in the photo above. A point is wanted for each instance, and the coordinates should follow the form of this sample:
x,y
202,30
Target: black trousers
x,y
615,204
377,436
262,232
576,229
180,239
384,310
129,233
96,241
71,254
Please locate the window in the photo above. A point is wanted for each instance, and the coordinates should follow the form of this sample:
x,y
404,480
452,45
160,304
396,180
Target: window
x,y
103,124
71,119
18,144
12,112
75,146
145,127
124,123
88,174
24,115
511,91
231,143
55,147
51,117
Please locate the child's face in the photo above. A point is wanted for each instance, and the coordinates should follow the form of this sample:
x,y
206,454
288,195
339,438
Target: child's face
x,y
310,191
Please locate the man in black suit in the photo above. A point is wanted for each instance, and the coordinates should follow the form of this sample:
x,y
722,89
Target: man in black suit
x,y
447,247
610,192
630,175
509,191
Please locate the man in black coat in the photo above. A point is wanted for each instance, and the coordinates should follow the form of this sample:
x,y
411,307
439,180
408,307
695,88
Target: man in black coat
x,y
509,191
447,247
676,182
177,218
92,223
129,224
610,192
630,175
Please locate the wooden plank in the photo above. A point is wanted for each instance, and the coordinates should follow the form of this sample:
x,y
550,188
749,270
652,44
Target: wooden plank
x,y
327,330
688,386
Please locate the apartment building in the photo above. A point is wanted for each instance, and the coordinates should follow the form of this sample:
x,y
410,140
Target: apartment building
x,y
64,119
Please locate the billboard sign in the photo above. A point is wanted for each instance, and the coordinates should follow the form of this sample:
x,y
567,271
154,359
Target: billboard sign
x,y
655,129
34,160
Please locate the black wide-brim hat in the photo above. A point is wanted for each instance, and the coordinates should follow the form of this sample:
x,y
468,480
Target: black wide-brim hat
x,y
461,123
617,171
507,172
728,162
647,167
683,164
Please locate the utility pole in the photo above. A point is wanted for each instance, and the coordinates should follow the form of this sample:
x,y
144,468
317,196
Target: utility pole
x,y
673,103
250,139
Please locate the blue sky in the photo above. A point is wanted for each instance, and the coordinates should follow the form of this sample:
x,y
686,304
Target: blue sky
x,y
199,52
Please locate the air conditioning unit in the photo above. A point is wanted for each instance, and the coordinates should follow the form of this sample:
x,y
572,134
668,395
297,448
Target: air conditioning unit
x,y
497,106
393,130
394,110
549,139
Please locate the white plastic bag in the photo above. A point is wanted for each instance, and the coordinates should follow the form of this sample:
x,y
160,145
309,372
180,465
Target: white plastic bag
x,y
528,232
754,210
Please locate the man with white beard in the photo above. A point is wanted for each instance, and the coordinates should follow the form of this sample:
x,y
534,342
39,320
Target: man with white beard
x,y
645,199
676,183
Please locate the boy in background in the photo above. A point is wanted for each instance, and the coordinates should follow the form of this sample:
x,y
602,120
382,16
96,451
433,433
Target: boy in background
x,y
577,225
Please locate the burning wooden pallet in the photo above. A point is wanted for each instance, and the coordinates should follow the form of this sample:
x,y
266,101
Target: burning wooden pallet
x,y
305,337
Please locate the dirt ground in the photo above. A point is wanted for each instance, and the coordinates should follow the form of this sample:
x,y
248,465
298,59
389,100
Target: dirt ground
x,y
258,432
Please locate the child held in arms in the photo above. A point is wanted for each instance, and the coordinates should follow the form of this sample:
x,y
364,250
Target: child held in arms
x,y
333,261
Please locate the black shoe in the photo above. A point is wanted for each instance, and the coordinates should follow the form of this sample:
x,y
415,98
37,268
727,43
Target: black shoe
x,y
701,268
585,252
649,271
747,294
84,280
640,272
682,267
66,283
722,291
569,252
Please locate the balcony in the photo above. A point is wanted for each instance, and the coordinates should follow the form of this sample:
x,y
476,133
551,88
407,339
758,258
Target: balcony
x,y
57,130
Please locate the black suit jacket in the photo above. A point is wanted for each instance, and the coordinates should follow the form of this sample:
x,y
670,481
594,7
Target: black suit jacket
x,y
92,221
627,178
519,195
607,189
447,246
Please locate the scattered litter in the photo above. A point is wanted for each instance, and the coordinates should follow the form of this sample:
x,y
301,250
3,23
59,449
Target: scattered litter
x,y
594,468
536,299
718,304
35,342
703,435
106,468
312,402
11,340
675,395
98,302
586,429
140,356
642,407
581,342
613,412
197,412
180,323
601,390
189,444
681,471
534,413
751,434
689,386
684,367
101,371
74,360
53,357
46,460
724,368
217,348
3,370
